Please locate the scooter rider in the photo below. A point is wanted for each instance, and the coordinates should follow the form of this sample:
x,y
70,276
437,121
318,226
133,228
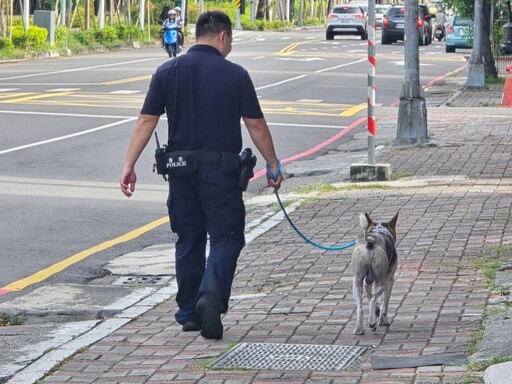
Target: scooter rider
x,y
440,21
169,23
181,22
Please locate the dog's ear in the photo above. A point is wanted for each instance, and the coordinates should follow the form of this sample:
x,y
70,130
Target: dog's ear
x,y
369,220
393,221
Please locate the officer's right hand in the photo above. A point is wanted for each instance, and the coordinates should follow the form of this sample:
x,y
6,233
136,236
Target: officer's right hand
x,y
127,181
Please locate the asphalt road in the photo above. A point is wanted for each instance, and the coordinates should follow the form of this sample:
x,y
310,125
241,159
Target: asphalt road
x,y
66,122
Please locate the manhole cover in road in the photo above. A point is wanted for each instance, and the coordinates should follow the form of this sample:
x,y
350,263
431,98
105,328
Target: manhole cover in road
x,y
289,357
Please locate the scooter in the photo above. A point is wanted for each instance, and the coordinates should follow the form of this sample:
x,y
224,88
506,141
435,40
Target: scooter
x,y
439,32
171,41
506,47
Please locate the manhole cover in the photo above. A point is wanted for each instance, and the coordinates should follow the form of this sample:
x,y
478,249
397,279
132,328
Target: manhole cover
x,y
142,280
289,357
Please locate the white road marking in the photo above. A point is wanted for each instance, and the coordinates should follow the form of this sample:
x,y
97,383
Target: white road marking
x,y
8,89
281,82
62,90
123,92
65,137
79,69
340,66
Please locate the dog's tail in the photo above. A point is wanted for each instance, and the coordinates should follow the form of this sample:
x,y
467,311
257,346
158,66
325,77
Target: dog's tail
x,y
365,223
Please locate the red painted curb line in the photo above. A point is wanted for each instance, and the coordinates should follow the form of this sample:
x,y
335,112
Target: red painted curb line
x,y
316,148
4,291
506,100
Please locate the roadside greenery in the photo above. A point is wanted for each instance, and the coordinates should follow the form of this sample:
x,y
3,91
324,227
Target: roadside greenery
x,y
82,33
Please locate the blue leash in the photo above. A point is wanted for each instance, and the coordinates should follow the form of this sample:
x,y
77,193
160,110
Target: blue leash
x,y
309,241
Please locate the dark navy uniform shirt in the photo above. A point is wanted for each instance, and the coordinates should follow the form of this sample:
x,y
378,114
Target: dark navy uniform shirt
x,y
204,96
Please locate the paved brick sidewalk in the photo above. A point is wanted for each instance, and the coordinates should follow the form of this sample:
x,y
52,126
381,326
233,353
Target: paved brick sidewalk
x,y
456,209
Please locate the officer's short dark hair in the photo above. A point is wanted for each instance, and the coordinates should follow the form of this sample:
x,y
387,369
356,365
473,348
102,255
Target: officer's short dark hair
x,y
211,23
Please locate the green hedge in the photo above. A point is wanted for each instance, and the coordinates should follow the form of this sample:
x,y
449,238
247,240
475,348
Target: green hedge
x,y
34,38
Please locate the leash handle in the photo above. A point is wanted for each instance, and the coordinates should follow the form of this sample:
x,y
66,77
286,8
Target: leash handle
x,y
309,241
274,176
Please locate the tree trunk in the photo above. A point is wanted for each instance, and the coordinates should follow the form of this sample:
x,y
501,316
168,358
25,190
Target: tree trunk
x,y
2,19
489,63
262,13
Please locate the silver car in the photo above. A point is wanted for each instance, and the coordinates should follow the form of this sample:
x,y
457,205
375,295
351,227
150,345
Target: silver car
x,y
347,20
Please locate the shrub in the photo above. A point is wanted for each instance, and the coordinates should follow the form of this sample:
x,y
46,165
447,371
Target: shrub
x,y
19,37
84,37
5,44
106,36
129,33
61,36
37,37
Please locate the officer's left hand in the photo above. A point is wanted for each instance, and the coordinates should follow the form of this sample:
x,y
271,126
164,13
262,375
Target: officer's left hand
x,y
275,184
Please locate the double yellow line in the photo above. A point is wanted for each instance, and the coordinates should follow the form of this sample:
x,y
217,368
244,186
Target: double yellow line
x,y
290,49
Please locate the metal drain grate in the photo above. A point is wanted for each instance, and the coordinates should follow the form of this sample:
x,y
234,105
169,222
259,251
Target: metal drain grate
x,y
142,280
289,357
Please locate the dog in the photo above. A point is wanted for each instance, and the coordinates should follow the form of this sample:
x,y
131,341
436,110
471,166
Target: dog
x,y
374,262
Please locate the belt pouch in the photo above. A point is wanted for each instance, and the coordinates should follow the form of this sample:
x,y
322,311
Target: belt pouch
x,y
180,163
230,162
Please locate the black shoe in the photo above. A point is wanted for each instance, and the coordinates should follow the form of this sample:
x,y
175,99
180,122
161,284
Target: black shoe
x,y
208,309
190,326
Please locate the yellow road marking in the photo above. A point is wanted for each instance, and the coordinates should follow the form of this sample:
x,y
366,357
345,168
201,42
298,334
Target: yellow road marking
x,y
353,110
288,50
7,95
128,80
61,265
258,57
37,96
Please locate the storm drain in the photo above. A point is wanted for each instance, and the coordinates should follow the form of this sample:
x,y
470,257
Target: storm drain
x,y
289,357
142,280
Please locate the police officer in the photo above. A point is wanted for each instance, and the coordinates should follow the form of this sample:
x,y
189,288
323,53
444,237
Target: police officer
x,y
204,96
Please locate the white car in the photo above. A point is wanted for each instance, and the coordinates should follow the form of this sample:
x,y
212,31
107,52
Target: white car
x,y
380,11
347,20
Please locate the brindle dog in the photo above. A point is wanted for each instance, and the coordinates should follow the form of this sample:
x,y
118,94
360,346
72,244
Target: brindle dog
x,y
374,262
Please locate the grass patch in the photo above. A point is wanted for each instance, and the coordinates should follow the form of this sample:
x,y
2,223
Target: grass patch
x,y
401,175
489,266
320,187
6,320
204,365
483,365
476,337
495,80
323,188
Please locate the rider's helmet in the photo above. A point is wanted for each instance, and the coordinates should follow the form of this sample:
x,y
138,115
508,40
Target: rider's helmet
x,y
172,12
177,9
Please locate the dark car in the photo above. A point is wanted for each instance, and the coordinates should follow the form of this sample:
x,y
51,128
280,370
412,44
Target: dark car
x,y
428,20
393,25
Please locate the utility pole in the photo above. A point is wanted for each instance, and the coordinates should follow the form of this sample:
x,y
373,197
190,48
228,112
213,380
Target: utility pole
x,y
412,110
371,170
476,68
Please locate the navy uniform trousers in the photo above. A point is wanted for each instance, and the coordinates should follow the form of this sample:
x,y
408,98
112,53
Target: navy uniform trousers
x,y
207,202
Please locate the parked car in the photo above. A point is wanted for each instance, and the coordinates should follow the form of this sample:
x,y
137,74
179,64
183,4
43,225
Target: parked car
x,y
380,11
347,20
459,33
393,25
